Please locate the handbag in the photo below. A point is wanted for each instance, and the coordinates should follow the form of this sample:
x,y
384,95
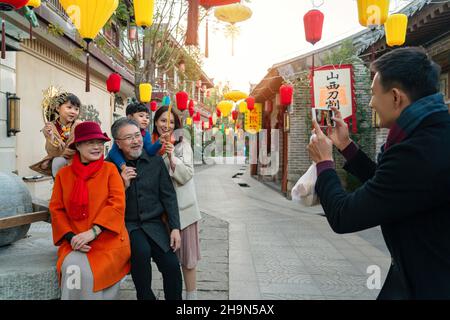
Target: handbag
x,y
304,190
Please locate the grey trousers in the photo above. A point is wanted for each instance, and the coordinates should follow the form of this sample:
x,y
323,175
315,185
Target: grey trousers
x,y
77,281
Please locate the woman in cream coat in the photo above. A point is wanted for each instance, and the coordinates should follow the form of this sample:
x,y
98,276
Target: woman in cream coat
x,y
179,159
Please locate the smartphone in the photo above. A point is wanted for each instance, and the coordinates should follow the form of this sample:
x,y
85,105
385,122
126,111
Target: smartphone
x,y
324,117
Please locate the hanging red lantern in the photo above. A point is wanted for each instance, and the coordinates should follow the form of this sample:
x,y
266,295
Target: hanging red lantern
x,y
219,114
214,3
8,5
235,115
250,103
113,83
191,108
153,106
182,100
197,117
313,21
286,93
211,123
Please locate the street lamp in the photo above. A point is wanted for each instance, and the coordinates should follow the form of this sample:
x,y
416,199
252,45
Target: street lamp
x,y
13,114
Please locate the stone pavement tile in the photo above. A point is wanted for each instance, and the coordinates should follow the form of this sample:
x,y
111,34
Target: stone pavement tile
x,y
241,257
243,273
285,278
336,267
244,290
345,285
318,253
212,295
306,288
284,296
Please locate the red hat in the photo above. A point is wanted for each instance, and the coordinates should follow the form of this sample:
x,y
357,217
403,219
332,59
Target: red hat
x,y
86,131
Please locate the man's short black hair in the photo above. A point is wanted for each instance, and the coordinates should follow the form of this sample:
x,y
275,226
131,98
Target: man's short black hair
x,y
136,107
409,69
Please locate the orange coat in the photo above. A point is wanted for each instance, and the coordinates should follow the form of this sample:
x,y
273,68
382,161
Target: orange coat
x,y
109,257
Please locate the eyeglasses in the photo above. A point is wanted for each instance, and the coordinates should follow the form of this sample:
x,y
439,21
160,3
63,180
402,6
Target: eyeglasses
x,y
130,138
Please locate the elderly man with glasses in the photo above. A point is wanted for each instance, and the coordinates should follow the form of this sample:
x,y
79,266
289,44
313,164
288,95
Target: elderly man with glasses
x,y
149,195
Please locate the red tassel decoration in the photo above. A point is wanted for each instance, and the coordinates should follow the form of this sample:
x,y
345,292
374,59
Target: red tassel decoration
x,y
88,76
3,40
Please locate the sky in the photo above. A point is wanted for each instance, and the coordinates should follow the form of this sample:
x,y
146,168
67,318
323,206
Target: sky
x,y
273,34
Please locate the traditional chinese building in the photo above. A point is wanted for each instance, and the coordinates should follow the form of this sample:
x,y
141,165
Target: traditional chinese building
x,y
427,27
54,57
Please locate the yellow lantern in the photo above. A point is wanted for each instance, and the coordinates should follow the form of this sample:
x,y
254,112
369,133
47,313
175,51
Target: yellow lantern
x,y
34,3
395,28
373,12
143,12
225,107
189,121
243,106
235,95
89,17
145,92
233,13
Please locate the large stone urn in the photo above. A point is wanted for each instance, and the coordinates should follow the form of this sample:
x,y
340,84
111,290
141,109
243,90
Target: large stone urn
x,y
14,199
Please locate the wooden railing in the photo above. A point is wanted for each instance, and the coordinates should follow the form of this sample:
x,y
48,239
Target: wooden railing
x,y
40,213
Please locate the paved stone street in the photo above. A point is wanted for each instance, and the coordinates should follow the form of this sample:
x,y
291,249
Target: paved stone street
x,y
280,250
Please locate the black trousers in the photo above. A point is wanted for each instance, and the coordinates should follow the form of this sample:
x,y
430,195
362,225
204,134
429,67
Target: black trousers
x,y
143,248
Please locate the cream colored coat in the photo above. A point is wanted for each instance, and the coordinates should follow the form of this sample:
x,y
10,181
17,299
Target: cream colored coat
x,y
183,181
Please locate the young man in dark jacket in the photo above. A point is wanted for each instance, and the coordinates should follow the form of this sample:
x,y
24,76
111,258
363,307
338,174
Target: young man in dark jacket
x,y
407,192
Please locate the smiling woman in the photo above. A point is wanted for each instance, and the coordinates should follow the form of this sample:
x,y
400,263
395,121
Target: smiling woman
x,y
87,209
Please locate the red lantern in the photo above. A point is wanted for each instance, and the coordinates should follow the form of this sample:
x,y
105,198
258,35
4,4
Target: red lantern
x,y
153,106
313,21
235,115
113,83
214,3
250,103
191,108
182,100
219,114
211,123
286,93
8,5
197,117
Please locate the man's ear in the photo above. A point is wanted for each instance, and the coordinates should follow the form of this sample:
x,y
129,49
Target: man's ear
x,y
397,97
129,116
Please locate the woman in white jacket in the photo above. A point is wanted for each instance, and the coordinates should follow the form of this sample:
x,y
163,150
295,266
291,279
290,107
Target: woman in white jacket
x,y
179,159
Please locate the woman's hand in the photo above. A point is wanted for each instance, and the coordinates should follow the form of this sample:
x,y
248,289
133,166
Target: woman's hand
x,y
81,239
128,174
165,137
339,135
169,149
85,248
175,240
